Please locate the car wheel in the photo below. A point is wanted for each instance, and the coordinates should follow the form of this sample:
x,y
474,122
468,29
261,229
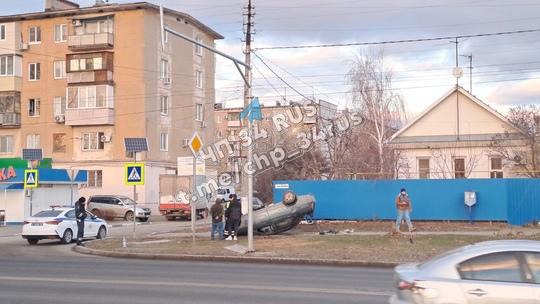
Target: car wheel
x,y
143,219
32,241
96,212
102,233
129,216
67,237
289,197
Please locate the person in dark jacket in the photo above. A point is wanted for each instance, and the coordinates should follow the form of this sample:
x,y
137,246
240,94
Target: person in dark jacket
x,y
216,212
227,204
233,214
80,215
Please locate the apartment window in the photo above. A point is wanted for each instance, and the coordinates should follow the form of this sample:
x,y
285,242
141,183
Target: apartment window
x,y
495,167
95,27
218,119
423,168
83,62
198,112
60,32
2,32
218,134
6,144
164,105
165,36
34,105
163,68
198,79
32,141
60,69
59,142
92,141
198,48
164,142
34,71
59,105
95,178
34,34
6,65
90,97
459,168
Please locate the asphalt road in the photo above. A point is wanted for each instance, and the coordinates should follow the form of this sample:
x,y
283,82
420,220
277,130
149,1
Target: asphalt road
x,y
53,273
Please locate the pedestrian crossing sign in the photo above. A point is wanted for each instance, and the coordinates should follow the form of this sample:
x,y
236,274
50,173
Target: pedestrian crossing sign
x,y
134,174
30,178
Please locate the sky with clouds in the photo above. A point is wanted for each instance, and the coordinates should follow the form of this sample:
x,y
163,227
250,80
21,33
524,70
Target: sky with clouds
x,y
304,48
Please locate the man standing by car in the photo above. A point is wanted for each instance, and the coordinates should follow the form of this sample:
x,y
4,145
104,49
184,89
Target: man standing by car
x,y
80,215
216,212
233,216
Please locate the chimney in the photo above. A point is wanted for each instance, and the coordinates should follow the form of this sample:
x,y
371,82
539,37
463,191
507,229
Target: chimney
x,y
56,5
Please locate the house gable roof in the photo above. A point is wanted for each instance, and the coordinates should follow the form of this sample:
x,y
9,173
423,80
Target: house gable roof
x,y
440,122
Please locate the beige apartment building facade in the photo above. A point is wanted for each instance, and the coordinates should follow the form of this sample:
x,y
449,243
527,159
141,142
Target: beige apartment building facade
x,y
75,82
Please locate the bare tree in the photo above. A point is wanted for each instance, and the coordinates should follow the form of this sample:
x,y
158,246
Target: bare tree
x,y
373,95
445,161
520,151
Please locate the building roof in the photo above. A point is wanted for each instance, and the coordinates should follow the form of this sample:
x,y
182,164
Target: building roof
x,y
456,89
109,8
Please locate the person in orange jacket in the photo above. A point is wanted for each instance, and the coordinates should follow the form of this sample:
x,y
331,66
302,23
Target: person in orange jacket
x,y
404,208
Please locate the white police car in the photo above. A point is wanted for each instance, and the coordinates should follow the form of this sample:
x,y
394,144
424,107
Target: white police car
x,y
59,222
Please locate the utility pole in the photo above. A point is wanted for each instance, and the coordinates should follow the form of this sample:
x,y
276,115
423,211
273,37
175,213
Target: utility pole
x,y
470,71
247,177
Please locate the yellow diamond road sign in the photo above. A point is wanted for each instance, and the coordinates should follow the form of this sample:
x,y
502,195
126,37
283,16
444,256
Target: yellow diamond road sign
x,y
195,143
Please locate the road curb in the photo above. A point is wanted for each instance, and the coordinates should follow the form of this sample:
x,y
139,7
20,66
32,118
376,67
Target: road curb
x,y
245,258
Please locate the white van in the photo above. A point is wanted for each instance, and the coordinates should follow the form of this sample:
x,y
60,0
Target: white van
x,y
224,192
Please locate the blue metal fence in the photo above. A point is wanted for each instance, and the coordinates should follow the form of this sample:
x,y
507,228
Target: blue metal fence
x,y
516,201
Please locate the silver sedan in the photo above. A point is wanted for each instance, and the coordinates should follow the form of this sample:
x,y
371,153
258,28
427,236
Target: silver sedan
x,y
494,272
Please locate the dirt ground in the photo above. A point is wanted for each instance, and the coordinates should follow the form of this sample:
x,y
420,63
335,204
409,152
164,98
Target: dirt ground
x,y
326,240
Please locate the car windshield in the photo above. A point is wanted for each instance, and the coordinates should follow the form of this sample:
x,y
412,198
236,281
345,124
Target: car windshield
x,y
129,201
221,191
48,213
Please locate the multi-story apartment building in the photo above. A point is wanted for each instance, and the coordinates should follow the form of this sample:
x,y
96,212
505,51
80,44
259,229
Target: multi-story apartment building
x,y
75,82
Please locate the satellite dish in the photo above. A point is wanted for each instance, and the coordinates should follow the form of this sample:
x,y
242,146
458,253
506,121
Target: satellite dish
x,y
457,72
517,159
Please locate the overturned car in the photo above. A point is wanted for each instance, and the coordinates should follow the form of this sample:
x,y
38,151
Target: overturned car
x,y
280,217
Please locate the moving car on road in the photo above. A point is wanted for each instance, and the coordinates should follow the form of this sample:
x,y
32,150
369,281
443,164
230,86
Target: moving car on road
x,y
495,272
60,223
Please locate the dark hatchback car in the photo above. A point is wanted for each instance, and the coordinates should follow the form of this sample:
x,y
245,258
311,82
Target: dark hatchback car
x,y
282,216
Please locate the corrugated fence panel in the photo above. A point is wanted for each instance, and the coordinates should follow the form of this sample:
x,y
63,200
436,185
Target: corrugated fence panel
x,y
523,200
511,200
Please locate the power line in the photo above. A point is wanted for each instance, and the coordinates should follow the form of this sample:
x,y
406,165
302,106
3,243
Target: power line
x,y
395,41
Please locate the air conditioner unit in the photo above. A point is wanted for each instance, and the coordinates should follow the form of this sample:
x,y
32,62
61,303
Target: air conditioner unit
x,y
105,138
76,22
27,192
185,142
59,118
23,46
204,124
167,80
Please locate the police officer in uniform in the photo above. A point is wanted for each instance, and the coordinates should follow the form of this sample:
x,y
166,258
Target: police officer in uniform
x,y
80,215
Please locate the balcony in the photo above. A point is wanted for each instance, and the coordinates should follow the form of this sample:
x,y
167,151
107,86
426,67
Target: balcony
x,y
90,41
89,116
100,76
10,119
233,123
